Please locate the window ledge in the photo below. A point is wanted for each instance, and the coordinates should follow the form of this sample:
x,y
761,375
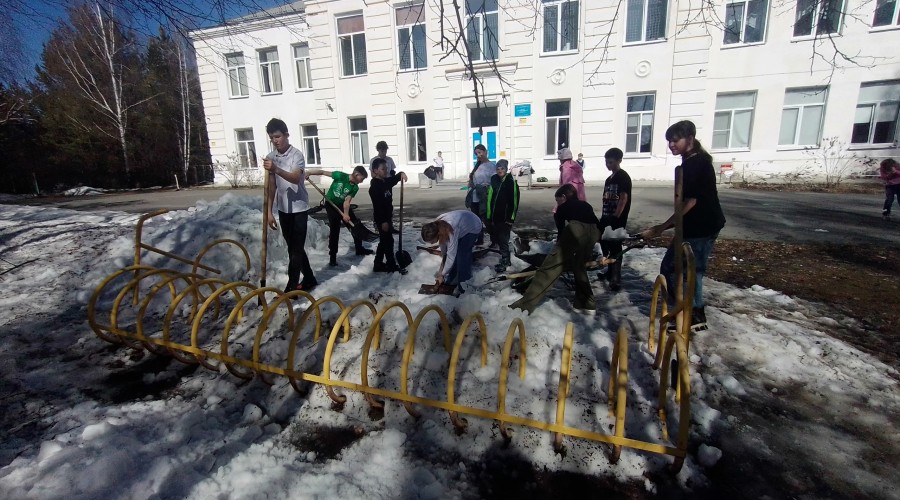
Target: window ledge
x,y
558,53
645,42
239,96
796,147
741,44
638,156
730,150
264,94
864,146
350,77
310,89
887,27
412,70
810,38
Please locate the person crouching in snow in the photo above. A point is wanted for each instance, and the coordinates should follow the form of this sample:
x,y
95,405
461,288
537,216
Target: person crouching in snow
x,y
502,206
578,230
456,233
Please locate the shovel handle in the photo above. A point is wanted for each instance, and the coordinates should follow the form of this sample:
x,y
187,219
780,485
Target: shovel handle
x,y
313,184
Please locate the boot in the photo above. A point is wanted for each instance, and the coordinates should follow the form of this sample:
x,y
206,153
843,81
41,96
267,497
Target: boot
x,y
614,272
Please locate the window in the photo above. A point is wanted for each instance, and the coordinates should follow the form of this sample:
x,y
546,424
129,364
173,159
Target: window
x,y
245,148
413,53
352,38
301,66
359,140
237,75
639,123
645,20
560,25
886,13
269,71
818,16
415,137
877,113
801,118
482,29
557,126
733,120
309,136
745,21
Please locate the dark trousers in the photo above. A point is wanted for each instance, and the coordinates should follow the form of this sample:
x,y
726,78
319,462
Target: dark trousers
x,y
335,221
890,192
612,248
293,228
384,253
500,232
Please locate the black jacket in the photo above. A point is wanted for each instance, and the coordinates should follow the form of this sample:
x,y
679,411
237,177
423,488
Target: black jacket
x,y
503,199
574,209
382,198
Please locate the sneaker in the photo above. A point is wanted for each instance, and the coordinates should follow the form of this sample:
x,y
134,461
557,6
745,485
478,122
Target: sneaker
x,y
886,215
364,251
458,291
332,262
614,286
672,327
698,320
308,286
588,308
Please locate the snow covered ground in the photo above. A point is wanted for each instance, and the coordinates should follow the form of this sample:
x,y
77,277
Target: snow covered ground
x,y
777,404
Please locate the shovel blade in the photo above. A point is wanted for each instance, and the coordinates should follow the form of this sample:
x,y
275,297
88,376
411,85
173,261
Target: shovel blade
x,y
404,259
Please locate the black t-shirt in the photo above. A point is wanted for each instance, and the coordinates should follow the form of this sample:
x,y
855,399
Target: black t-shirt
x,y
706,218
617,184
382,198
574,209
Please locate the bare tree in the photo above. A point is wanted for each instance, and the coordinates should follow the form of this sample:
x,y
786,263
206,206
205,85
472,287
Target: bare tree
x,y
96,62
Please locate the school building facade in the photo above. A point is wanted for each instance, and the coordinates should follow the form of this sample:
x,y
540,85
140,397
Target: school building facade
x,y
766,82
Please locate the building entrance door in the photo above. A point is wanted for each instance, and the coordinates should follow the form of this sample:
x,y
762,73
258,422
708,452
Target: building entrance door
x,y
483,126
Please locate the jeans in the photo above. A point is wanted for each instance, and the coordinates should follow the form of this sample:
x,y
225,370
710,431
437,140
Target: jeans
x,y
702,248
293,228
335,221
462,266
890,192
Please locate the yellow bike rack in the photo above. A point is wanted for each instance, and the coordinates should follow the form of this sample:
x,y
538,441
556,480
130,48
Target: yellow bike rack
x,y
221,295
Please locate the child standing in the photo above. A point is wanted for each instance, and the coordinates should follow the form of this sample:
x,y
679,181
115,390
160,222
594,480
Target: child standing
x,y
286,168
890,174
383,212
502,206
343,188
616,205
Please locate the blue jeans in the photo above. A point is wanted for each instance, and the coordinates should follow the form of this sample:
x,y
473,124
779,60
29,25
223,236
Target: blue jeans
x,y
462,266
702,248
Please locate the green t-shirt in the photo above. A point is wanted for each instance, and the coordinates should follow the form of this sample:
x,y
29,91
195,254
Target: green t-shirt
x,y
341,188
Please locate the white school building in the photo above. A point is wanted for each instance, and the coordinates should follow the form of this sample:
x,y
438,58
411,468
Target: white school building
x,y
761,80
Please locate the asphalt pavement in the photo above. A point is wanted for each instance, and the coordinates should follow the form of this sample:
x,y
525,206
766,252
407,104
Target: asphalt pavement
x,y
790,217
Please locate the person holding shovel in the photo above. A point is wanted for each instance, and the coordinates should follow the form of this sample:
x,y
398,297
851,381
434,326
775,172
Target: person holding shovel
x,y
456,233
383,213
343,188
502,206
286,168
616,205
578,230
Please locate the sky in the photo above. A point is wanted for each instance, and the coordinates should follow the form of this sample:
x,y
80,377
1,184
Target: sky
x,y
35,20
779,408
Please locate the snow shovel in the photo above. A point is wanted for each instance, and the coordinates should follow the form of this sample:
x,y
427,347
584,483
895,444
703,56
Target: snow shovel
x,y
403,257
442,289
358,231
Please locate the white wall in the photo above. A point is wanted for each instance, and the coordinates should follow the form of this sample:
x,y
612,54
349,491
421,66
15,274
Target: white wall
x,y
686,71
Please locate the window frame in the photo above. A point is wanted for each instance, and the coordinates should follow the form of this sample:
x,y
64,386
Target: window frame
x,y
640,114
308,69
248,160
314,157
272,69
424,142
644,24
353,38
816,19
875,106
731,113
895,18
480,15
559,33
241,70
359,140
800,115
556,119
410,27
744,20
